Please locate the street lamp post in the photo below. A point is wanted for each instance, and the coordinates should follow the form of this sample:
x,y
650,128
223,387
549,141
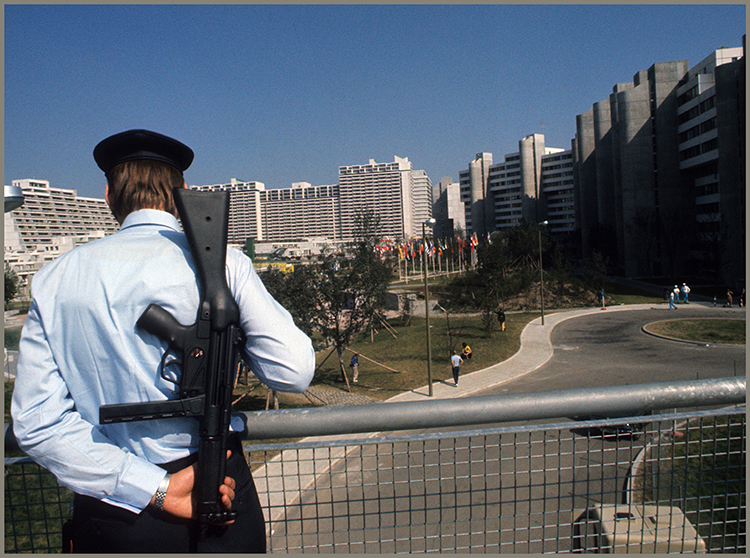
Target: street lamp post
x,y
430,222
541,273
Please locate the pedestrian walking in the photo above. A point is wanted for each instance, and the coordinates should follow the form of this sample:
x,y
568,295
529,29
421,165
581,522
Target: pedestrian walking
x,y
730,294
455,365
685,291
501,319
671,301
354,365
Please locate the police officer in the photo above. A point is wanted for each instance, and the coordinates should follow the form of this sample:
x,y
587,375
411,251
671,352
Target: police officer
x,y
80,349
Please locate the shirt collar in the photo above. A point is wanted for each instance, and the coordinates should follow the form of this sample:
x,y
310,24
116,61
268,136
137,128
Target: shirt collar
x,y
151,217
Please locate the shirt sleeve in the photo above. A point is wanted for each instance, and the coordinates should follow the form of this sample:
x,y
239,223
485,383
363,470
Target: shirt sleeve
x,y
50,430
277,351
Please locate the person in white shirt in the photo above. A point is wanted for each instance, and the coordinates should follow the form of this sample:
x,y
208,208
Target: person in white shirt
x,y
455,366
685,291
80,349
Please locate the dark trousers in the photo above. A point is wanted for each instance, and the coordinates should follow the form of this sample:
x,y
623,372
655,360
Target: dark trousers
x,y
455,375
102,528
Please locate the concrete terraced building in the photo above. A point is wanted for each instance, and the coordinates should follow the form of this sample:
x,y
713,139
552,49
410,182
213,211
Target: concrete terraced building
x,y
284,214
50,222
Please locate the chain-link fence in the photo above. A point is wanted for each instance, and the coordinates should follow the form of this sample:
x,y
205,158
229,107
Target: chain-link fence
x,y
666,482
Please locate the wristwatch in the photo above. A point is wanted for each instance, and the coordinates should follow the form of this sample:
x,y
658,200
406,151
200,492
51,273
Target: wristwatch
x,y
161,493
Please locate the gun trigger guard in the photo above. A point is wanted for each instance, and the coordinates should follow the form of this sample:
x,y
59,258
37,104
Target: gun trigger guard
x,y
163,369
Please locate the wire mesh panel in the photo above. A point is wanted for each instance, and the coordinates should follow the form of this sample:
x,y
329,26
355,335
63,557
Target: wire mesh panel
x,y
663,483
676,484
698,466
35,508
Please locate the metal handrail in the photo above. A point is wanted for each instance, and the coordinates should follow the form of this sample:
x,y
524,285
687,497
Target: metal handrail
x,y
610,401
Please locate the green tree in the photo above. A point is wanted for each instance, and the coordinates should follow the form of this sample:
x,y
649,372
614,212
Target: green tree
x,y
507,265
595,269
350,291
11,284
295,291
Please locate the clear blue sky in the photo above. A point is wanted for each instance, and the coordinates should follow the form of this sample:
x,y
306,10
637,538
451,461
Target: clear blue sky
x,y
282,94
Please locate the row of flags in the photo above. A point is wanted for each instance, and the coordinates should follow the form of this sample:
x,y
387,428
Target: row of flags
x,y
410,249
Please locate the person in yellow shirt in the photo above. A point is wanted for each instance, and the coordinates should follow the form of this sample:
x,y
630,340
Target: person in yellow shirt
x,y
466,352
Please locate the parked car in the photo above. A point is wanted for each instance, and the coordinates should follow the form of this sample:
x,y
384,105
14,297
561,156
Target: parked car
x,y
630,428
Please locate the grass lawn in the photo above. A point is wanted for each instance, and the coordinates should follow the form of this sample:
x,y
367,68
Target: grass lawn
x,y
616,293
405,351
712,330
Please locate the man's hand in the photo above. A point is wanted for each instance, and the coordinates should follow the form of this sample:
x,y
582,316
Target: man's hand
x,y
179,500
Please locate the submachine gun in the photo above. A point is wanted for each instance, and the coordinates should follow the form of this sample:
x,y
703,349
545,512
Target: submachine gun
x,y
209,351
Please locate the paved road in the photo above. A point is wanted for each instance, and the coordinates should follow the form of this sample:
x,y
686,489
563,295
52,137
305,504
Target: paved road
x,y
610,348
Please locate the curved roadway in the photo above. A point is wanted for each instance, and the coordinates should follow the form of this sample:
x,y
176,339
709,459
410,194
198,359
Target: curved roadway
x,y
609,347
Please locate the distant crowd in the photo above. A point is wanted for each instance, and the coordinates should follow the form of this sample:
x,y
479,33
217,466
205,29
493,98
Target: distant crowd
x,y
673,296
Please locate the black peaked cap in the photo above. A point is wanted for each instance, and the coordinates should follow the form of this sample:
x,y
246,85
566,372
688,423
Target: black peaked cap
x,y
134,145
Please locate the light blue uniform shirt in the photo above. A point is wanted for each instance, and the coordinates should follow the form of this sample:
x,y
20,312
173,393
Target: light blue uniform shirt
x,y
80,349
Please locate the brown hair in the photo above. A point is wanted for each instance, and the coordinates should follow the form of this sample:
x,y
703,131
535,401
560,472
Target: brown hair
x,y
142,184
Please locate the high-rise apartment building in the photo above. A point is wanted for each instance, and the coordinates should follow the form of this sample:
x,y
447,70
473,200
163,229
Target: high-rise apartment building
x,y
302,211
244,209
476,195
421,200
398,195
558,192
535,184
449,211
660,170
628,170
711,143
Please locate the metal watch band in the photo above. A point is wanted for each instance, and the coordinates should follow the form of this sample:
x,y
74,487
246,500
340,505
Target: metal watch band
x,y
161,493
